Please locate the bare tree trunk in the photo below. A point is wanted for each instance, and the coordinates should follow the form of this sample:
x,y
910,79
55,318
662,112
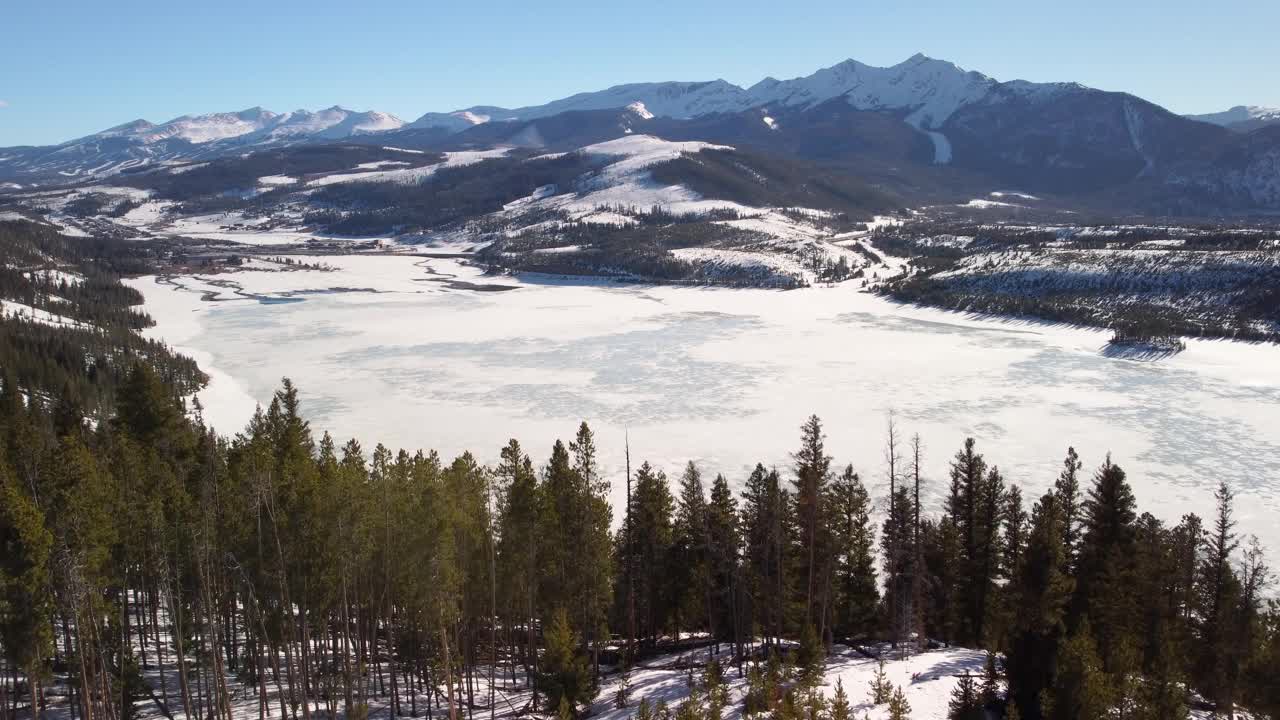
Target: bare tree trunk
x,y
175,623
448,672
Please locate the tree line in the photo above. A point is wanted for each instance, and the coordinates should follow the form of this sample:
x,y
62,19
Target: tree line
x,y
326,578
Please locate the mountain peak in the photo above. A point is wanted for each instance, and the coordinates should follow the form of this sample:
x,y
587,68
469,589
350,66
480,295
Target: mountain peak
x,y
1242,117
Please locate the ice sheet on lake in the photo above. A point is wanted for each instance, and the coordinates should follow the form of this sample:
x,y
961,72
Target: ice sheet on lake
x,y
725,377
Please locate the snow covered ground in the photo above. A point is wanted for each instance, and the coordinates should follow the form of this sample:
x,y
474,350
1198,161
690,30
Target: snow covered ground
x,y
20,311
926,679
407,175
386,349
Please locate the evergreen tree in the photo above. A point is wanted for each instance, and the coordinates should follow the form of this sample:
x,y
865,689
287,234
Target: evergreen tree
x,y
564,678
840,707
1218,590
856,588
965,703
26,603
881,688
650,541
1107,549
1040,593
723,550
691,568
810,656
974,493
899,570
899,708
1081,690
1067,490
813,473
517,552
765,519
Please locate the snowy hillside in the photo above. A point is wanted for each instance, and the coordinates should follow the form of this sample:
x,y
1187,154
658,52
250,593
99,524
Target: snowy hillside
x,y
1179,281
931,90
334,122
667,99
1242,117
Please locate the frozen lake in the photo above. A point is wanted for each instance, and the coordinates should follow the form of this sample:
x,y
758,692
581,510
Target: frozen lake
x,y
383,350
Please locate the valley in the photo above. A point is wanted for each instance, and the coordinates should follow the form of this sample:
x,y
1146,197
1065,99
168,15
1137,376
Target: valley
x,y
881,391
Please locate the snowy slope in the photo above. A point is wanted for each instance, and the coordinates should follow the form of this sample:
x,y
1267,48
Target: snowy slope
x,y
666,99
197,129
1241,116
256,123
930,90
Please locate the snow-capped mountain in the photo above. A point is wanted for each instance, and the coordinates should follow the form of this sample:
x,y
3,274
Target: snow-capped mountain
x,y
330,123
190,137
931,90
1242,117
896,124
666,99
195,129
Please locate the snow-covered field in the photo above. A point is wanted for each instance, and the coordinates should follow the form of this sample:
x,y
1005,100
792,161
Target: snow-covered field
x,y
927,680
384,350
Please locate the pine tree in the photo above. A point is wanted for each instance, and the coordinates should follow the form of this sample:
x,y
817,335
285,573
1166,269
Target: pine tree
x,y
1107,549
643,710
1039,594
717,693
810,656
989,694
840,707
765,519
1081,690
662,711
622,697
967,510
1218,589
857,592
650,540
1067,490
881,688
813,473
899,708
690,579
26,547
899,569
965,703
518,564
725,542
564,677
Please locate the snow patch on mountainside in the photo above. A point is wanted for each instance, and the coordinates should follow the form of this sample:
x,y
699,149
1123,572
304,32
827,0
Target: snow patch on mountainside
x,y
640,151
638,108
20,311
408,176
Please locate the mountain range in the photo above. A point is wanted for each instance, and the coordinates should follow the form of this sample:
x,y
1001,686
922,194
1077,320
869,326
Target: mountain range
x,y
921,128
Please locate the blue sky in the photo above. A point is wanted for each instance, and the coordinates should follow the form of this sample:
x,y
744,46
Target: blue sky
x,y
74,67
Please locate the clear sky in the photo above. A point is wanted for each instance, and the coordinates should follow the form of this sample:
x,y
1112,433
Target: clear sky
x,y
73,67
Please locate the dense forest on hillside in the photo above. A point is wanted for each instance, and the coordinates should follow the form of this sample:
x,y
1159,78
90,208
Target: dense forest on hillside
x,y
1144,282
68,329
